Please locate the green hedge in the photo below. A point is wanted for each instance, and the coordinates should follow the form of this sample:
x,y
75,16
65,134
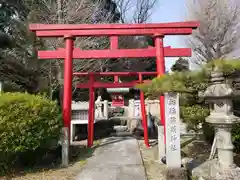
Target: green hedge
x,y
27,123
193,115
208,131
236,137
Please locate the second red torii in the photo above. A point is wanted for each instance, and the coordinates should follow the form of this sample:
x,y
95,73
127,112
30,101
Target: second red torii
x,y
91,85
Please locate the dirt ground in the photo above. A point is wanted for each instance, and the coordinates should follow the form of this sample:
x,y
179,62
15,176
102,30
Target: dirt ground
x,y
191,148
194,148
154,169
200,151
55,172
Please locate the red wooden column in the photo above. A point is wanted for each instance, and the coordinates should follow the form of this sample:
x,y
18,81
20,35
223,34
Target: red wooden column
x,y
144,114
91,111
68,73
160,61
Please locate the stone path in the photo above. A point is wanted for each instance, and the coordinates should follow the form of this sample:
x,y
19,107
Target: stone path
x,y
117,158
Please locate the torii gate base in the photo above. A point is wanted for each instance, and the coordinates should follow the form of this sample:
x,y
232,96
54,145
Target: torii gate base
x,y
70,31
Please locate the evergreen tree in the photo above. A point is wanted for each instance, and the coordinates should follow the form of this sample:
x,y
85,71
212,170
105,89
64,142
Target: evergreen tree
x,y
180,65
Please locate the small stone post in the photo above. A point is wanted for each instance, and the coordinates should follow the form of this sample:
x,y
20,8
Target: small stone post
x,y
219,94
131,108
161,145
172,116
1,86
65,147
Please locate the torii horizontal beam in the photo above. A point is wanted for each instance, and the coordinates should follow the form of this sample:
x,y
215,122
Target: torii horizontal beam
x,y
135,32
110,85
60,30
114,73
44,27
60,53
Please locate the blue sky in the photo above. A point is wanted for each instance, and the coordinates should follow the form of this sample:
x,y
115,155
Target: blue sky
x,y
170,11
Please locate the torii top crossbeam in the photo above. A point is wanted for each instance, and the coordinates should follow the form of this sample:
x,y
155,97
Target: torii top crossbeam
x,y
60,30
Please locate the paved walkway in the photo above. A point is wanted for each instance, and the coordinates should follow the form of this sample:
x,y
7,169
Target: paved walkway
x,y
118,158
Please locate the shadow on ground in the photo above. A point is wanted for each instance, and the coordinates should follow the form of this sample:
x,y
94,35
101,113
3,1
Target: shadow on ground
x,y
199,151
52,162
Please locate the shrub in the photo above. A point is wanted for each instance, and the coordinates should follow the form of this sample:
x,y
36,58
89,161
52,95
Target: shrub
x,y
27,123
193,115
208,131
236,137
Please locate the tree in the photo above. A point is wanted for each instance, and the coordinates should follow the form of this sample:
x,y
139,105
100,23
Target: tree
x,y
218,34
14,62
49,73
180,65
86,12
8,8
5,40
137,11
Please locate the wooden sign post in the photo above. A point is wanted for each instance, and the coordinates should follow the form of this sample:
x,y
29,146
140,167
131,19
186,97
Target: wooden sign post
x,y
172,116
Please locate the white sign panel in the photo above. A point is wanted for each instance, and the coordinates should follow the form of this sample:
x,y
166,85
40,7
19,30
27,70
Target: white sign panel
x,y
137,107
172,120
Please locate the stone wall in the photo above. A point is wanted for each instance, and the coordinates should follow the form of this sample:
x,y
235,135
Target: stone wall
x,y
152,106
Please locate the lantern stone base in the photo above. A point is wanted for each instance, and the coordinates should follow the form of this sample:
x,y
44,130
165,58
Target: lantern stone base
x,y
210,170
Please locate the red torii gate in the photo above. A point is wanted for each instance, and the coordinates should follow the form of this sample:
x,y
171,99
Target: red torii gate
x,y
118,53
91,85
69,31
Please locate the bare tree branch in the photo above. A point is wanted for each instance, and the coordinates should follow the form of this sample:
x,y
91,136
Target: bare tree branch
x,y
218,33
72,12
135,11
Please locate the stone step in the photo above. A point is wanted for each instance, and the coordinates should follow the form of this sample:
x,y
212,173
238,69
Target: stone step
x,y
119,120
121,134
120,128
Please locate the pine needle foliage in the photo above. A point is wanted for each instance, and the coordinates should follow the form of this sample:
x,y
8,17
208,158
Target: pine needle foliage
x,y
188,81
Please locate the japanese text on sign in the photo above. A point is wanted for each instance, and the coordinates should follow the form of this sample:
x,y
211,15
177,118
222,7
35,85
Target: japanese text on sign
x,y
172,101
172,129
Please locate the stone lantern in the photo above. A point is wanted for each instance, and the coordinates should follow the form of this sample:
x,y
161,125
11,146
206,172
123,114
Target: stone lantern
x,y
220,94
